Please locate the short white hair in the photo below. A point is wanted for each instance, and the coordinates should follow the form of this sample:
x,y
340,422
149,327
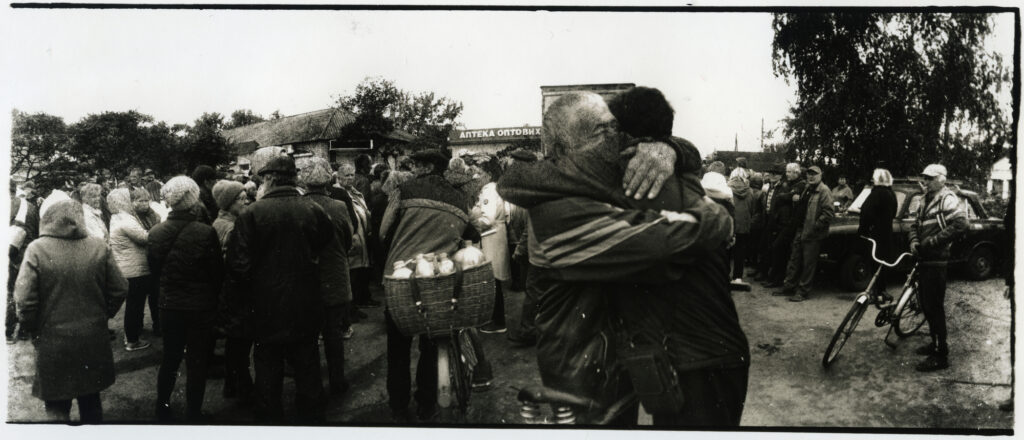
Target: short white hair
x,y
881,177
793,166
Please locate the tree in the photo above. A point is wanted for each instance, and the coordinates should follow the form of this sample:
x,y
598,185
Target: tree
x,y
894,89
204,144
380,107
36,141
116,141
243,117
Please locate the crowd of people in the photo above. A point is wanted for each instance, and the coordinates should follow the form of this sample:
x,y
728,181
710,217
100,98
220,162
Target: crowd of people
x,y
602,236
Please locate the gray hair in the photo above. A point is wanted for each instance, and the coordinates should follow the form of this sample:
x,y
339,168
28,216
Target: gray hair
x,y
180,193
881,177
120,200
567,120
792,166
90,190
314,172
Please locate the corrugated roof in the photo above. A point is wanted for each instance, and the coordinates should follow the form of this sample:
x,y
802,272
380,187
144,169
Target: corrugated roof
x,y
306,127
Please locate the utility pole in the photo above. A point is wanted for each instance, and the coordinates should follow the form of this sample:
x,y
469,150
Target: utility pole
x,y
736,143
762,133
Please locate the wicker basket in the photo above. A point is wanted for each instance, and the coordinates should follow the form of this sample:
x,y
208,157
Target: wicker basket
x,y
435,306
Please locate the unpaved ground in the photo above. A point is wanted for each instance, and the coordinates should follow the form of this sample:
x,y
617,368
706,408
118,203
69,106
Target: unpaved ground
x,y
869,386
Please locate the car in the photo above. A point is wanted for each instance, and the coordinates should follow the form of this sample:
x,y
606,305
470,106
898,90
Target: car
x,y
976,253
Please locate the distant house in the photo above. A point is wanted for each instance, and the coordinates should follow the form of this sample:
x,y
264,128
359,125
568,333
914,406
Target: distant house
x,y
317,133
1002,171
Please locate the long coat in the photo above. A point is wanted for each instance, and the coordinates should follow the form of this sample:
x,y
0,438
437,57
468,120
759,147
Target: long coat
x,y
876,215
273,260
65,284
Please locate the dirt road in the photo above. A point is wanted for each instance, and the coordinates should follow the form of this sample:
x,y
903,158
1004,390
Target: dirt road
x,y
869,386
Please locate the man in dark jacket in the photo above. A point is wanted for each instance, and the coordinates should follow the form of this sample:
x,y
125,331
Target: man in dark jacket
x,y
876,215
428,216
24,224
784,217
594,253
273,259
813,215
315,176
769,220
940,221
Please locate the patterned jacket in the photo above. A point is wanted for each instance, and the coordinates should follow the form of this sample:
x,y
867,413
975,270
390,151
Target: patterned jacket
x,y
940,220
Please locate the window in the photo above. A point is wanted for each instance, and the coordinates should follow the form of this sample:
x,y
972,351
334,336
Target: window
x,y
915,203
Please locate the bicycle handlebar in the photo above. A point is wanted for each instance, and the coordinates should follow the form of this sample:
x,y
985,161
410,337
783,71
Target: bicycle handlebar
x,y
874,247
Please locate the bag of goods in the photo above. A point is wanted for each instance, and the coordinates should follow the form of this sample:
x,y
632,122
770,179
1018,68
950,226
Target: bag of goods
x,y
469,256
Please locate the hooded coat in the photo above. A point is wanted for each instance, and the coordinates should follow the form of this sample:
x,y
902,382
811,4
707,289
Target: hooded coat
x,y
66,283
744,204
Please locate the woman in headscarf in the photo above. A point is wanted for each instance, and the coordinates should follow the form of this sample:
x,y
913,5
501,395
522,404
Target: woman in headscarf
x,y
185,257
92,196
128,238
66,283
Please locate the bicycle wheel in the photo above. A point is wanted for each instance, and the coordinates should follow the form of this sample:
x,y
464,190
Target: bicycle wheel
x,y
461,375
845,330
445,366
908,317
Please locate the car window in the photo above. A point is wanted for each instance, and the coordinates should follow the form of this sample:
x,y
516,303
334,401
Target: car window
x,y
966,206
915,204
859,201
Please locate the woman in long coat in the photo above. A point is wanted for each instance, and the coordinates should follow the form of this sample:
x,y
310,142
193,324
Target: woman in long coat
x,y
876,215
66,283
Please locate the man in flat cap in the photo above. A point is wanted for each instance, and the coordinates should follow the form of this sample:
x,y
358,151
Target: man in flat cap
x,y
940,221
813,215
272,260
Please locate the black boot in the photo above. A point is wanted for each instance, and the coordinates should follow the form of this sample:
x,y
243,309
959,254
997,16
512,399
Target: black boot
x,y
934,362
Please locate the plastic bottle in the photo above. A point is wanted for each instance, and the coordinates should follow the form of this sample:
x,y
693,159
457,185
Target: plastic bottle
x,y
469,256
401,272
423,267
444,265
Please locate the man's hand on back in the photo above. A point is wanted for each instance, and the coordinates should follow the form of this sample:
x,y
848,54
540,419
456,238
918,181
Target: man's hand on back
x,y
652,164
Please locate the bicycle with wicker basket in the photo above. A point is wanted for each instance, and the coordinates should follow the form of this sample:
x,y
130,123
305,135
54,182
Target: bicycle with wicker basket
x,y
443,308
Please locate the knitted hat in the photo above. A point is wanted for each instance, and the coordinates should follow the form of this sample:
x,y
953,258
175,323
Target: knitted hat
x,y
314,171
225,192
180,193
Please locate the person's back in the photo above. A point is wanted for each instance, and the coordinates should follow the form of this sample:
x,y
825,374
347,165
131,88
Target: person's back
x,y
432,218
186,256
279,239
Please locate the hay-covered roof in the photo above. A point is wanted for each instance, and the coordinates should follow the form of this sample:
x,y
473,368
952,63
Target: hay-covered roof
x,y
306,127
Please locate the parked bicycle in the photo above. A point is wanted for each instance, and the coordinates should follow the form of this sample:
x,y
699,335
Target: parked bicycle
x,y
904,317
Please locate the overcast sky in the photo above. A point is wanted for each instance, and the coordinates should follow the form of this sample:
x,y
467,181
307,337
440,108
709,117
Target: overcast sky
x,y
715,68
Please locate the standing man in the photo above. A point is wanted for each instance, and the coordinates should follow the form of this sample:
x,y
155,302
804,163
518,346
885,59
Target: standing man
x,y
784,203
770,221
427,216
813,215
940,220
273,261
205,176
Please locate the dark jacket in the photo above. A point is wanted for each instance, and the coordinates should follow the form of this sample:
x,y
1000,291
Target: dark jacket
x,y
209,205
334,280
429,215
185,256
63,292
817,212
596,256
272,262
744,204
940,220
876,215
783,215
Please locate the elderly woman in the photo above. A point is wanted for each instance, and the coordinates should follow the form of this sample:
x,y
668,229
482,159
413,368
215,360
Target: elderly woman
x,y
315,175
876,215
128,238
491,218
92,195
185,256
66,281
359,253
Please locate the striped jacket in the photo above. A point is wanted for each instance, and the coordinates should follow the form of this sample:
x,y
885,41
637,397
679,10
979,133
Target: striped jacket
x,y
940,220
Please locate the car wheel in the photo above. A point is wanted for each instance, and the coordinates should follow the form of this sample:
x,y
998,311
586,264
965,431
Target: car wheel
x,y
981,263
854,273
